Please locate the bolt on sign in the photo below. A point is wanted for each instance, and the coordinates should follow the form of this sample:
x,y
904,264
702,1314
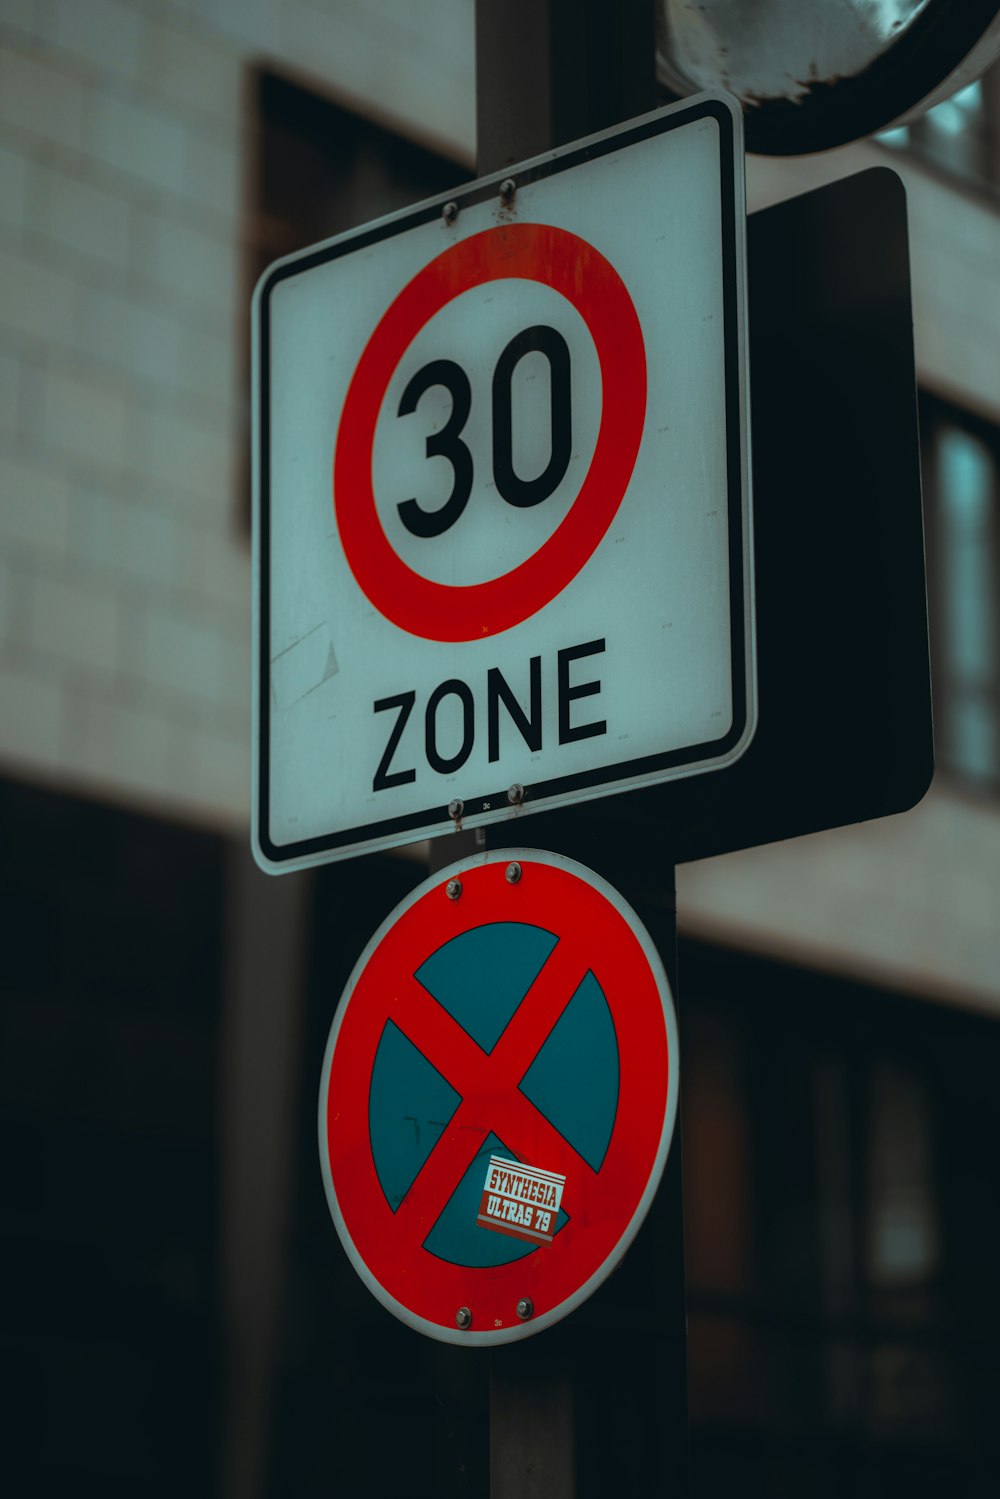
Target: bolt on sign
x,y
501,495
498,1096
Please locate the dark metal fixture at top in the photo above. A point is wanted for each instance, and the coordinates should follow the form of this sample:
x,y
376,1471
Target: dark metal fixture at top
x,y
812,74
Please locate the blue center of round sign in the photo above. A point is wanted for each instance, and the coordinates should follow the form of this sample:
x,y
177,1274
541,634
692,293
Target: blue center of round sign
x,y
480,978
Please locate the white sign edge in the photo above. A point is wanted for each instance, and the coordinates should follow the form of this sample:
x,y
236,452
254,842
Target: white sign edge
x,y
612,786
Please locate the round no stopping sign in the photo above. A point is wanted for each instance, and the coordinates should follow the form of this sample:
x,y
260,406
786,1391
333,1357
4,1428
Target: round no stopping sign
x,y
498,1096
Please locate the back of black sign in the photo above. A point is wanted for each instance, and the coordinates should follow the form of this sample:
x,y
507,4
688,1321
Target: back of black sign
x,y
844,731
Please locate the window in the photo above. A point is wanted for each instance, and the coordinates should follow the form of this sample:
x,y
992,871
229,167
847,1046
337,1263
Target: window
x,y
317,171
961,464
840,1218
961,135
110,1006
321,169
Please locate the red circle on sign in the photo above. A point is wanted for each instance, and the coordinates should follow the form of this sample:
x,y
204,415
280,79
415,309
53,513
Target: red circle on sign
x,y
572,267
596,934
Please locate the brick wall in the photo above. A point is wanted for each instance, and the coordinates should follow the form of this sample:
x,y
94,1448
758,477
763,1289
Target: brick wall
x,y
124,573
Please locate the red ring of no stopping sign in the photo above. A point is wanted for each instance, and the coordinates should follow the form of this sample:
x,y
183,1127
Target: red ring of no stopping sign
x,y
572,267
605,1207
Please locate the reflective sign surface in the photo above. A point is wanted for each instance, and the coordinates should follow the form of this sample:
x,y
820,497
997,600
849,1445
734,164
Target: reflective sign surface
x,y
498,1096
502,504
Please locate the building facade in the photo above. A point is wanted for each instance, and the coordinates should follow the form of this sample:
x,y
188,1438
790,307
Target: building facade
x,y
185,1310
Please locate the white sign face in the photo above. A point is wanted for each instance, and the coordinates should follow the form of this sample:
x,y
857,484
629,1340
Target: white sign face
x,y
502,509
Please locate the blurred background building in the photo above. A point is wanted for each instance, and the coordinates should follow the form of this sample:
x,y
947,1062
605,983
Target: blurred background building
x,y
178,1312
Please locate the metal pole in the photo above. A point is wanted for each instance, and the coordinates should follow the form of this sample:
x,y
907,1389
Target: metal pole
x,y
601,1398
548,71
599,1403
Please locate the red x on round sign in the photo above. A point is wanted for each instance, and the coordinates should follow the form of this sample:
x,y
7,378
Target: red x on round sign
x,y
498,1096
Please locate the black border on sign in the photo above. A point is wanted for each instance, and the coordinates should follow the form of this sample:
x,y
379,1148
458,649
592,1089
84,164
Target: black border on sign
x,y
424,823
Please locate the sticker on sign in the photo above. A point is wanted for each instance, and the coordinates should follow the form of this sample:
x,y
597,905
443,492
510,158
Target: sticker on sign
x,y
521,1200
502,520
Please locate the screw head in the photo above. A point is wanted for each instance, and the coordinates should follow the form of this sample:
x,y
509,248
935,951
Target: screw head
x,y
515,794
512,873
450,212
525,1307
463,1318
455,808
508,188
453,889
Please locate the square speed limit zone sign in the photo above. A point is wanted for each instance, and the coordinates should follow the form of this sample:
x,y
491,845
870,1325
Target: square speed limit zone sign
x,y
502,523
